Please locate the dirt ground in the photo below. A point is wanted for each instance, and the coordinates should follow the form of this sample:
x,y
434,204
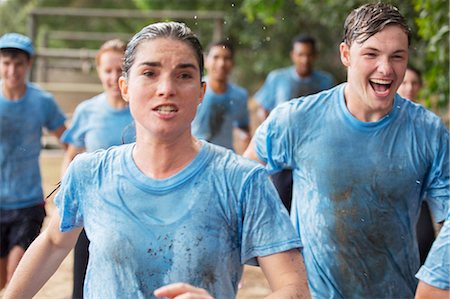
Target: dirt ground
x,y
60,285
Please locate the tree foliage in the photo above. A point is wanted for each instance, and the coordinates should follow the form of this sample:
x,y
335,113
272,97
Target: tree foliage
x,y
433,28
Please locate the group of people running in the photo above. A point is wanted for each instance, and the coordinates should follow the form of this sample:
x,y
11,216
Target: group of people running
x,y
161,206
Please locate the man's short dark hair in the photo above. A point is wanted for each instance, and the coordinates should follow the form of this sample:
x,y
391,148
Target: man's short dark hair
x,y
222,43
369,19
13,53
304,39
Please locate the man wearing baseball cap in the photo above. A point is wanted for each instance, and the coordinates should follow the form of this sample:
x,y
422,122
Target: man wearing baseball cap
x,y
25,110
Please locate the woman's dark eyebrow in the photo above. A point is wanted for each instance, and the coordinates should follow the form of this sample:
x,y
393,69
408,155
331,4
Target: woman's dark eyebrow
x,y
158,64
187,65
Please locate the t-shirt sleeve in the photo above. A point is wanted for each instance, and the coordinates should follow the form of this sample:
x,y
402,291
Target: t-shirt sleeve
x,y
438,188
68,199
266,228
265,96
75,135
54,115
242,119
436,270
273,140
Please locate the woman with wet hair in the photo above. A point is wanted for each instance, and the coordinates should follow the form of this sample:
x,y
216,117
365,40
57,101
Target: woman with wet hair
x,y
168,215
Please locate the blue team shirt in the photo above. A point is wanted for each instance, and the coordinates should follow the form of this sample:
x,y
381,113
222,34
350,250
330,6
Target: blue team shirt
x,y
198,226
97,125
21,124
220,113
285,84
357,189
436,270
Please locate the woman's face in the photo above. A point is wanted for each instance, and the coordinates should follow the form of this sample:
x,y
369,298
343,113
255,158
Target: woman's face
x,y
410,86
163,88
109,71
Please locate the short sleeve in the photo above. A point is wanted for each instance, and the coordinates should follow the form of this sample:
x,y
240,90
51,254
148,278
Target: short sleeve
x,y
438,189
265,96
68,198
266,228
54,115
436,270
273,140
242,119
75,135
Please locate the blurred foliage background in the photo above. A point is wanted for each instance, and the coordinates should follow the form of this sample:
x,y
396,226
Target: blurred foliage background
x,y
262,32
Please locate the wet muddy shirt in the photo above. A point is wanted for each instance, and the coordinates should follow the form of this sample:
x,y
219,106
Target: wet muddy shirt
x,y
358,189
199,226
218,114
21,124
97,125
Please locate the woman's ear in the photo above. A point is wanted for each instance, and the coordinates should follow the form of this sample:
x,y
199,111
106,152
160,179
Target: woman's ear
x,y
123,85
202,92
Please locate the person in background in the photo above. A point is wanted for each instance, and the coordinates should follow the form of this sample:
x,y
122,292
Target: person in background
x,y
98,123
409,89
434,275
364,159
161,211
25,110
223,113
411,85
282,85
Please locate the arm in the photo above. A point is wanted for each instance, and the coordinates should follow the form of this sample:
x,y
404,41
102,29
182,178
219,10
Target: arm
x,y
426,291
241,139
251,153
183,290
58,132
286,274
41,260
261,113
69,155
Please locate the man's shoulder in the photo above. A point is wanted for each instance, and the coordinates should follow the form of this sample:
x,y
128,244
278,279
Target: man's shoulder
x,y
324,77
237,90
36,91
281,72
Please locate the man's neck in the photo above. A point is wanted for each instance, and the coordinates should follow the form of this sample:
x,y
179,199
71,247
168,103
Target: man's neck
x,y
14,94
217,86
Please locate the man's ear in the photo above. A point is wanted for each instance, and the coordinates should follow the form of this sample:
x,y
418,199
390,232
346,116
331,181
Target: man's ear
x,y
202,92
123,85
344,50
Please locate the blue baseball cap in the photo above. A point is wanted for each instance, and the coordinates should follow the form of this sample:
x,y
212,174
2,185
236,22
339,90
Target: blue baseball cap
x,y
17,41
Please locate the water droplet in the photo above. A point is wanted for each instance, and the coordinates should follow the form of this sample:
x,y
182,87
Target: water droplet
x,y
195,17
232,4
282,18
365,274
224,22
398,107
362,220
264,27
418,182
268,38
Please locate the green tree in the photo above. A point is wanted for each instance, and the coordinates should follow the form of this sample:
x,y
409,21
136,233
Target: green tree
x,y
433,28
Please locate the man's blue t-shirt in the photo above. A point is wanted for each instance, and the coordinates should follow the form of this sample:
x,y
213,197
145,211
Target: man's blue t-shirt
x,y
358,189
436,270
285,84
218,114
21,124
97,125
198,226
